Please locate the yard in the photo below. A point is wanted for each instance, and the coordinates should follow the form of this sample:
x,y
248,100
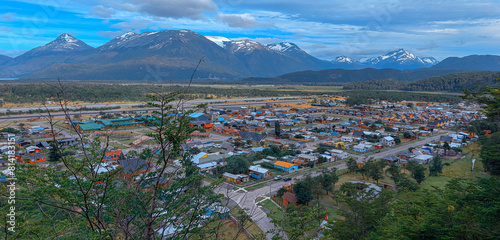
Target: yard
x,y
275,212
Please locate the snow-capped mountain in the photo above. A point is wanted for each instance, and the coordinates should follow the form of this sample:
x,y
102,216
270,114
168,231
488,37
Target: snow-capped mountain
x,y
245,46
344,59
118,41
221,41
63,43
285,47
400,59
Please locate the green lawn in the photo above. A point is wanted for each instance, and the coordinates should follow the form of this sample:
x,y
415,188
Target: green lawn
x,y
275,213
250,225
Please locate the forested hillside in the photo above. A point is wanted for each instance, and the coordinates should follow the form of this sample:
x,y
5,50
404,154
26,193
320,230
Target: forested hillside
x,y
446,83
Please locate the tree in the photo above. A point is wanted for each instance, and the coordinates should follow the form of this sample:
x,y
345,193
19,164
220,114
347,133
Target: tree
x,y
277,129
322,159
375,169
436,166
394,171
327,180
88,199
302,191
55,153
352,165
364,208
237,164
310,164
490,153
417,171
397,140
281,191
194,150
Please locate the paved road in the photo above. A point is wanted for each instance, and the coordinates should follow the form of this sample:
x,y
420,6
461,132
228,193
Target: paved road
x,y
141,110
246,200
187,103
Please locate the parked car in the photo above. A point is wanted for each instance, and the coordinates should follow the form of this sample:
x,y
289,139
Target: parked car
x,y
287,179
277,178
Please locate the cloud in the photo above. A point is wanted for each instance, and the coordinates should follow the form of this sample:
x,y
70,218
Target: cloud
x,y
9,16
238,20
102,11
192,9
134,25
428,46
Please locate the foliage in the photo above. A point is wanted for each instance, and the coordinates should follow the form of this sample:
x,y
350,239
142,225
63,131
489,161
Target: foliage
x,y
302,191
55,153
277,129
352,165
436,166
417,171
237,164
363,211
281,191
10,130
490,153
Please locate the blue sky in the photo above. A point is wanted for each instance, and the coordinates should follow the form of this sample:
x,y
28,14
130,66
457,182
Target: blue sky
x,y
323,28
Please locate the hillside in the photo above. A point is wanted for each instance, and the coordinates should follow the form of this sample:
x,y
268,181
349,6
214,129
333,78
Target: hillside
x,y
341,76
446,83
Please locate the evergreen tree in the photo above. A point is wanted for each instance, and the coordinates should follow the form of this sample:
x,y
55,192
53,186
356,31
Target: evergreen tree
x,y
54,153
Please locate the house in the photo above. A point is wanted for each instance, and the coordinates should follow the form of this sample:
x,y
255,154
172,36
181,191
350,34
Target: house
x,y
43,144
22,142
33,158
362,147
391,159
339,154
387,141
288,167
444,139
134,166
66,141
289,198
227,146
32,149
307,157
207,166
423,158
236,178
196,158
113,156
252,137
3,163
259,172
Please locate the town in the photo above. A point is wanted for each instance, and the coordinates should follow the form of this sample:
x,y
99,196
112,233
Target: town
x,y
259,153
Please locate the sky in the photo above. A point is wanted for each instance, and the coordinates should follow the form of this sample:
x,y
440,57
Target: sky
x,y
324,28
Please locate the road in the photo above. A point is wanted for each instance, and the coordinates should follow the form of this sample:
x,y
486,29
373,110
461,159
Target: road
x,y
247,200
190,103
143,110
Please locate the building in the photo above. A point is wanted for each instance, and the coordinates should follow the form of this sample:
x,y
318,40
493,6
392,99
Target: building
x,y
113,156
287,167
387,141
259,172
289,198
235,178
252,137
134,166
362,147
339,154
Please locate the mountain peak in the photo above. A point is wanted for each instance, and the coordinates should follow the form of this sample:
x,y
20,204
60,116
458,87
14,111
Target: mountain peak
x,y
64,43
221,41
343,59
284,47
244,45
400,59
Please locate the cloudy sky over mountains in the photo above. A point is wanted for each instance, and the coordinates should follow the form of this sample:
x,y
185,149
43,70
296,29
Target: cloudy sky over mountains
x,y
325,28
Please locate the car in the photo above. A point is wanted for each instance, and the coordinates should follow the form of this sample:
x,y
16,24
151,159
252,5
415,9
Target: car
x,y
287,179
277,178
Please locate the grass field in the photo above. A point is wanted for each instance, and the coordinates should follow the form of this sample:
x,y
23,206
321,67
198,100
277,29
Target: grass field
x,y
275,213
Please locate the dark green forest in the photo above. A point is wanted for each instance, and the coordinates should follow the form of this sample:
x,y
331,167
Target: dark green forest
x,y
106,92
446,83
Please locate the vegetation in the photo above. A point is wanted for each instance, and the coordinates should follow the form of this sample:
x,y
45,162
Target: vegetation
x,y
446,83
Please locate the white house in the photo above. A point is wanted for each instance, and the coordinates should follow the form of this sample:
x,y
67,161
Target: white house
x,y
388,141
362,147
339,153
423,158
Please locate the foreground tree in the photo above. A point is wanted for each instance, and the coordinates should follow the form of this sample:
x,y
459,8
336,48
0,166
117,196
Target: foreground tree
x,y
86,198
417,171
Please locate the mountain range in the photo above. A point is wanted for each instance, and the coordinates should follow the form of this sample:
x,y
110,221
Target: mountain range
x,y
174,54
